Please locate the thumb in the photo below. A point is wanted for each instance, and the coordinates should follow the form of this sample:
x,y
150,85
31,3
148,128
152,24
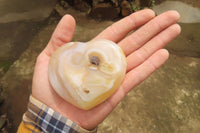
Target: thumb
x,y
63,34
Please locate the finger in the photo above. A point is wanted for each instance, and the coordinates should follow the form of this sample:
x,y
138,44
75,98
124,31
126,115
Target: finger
x,y
139,74
158,42
149,30
120,29
62,34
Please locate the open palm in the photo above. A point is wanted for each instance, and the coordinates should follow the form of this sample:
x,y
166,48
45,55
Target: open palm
x,y
143,49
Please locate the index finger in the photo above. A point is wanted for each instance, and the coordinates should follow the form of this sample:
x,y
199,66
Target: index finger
x,y
120,29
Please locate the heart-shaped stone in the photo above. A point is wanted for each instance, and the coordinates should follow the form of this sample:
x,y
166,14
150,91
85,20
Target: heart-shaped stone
x,y
86,74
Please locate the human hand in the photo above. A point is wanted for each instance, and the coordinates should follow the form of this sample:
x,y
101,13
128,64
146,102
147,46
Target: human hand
x,y
143,50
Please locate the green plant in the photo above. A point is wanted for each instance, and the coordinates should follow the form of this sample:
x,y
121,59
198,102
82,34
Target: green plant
x,y
152,3
5,65
138,7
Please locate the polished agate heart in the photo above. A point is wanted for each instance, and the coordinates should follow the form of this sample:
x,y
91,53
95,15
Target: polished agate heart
x,y
86,74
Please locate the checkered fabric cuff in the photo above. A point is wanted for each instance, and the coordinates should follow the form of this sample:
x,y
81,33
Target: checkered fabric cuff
x,y
41,118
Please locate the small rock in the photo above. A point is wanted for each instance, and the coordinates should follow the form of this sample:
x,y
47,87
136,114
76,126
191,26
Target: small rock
x,y
115,2
136,5
105,11
96,2
2,122
126,8
64,4
145,3
81,6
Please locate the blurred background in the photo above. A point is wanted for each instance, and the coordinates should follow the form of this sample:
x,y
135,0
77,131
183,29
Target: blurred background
x,y
167,102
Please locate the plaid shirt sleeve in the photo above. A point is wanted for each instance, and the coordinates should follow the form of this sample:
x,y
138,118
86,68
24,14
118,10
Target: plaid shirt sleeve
x,y
40,118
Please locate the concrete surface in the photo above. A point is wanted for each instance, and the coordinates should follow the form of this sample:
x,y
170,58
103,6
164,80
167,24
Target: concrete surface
x,y
188,13
15,10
